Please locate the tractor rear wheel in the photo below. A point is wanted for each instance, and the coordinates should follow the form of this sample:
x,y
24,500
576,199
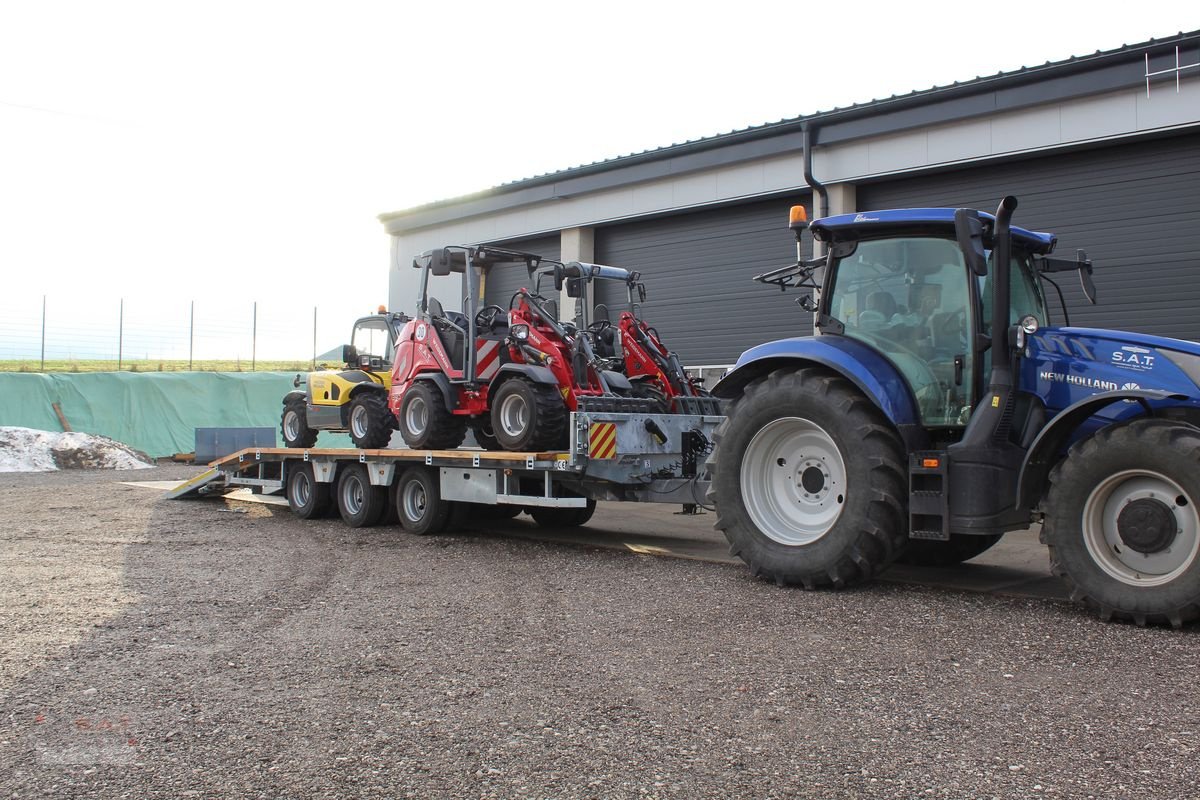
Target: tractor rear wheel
x,y
960,548
361,504
1123,521
528,415
294,424
809,481
426,423
370,422
307,498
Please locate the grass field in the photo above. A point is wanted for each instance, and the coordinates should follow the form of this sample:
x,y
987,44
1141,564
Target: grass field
x,y
152,365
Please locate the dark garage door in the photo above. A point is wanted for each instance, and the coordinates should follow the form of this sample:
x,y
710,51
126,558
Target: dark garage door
x,y
1135,209
505,280
698,268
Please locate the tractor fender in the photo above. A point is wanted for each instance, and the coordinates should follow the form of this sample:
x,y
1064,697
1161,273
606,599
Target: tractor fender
x,y
616,380
1043,453
534,372
874,375
440,380
295,394
367,386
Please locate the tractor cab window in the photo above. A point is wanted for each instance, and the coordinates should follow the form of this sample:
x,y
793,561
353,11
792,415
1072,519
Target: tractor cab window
x,y
1026,294
371,338
909,299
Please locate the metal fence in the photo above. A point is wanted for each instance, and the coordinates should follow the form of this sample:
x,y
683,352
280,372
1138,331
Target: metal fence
x,y
125,334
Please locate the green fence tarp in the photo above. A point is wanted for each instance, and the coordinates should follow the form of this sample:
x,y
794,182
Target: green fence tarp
x,y
156,412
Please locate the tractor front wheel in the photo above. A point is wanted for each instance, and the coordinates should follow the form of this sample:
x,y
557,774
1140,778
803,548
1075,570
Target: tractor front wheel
x,y
1123,521
370,422
528,415
809,481
294,425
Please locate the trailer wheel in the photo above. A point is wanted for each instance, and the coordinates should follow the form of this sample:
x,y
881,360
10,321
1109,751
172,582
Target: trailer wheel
x,y
370,422
419,502
307,498
528,415
960,548
294,425
425,422
361,504
1123,521
562,517
809,481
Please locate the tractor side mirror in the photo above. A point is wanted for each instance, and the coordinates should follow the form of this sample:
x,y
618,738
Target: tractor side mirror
x,y
968,230
559,276
439,262
575,287
1085,276
349,354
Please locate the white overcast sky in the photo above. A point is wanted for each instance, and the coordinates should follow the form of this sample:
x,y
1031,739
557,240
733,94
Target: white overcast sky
x,y
237,152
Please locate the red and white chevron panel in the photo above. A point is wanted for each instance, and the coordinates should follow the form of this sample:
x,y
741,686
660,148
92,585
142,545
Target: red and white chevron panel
x,y
487,359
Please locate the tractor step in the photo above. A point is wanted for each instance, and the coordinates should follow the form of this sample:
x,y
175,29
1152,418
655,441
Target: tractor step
x,y
928,499
615,404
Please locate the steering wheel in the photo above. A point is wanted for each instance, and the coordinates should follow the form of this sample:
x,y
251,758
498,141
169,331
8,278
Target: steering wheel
x,y
486,317
599,325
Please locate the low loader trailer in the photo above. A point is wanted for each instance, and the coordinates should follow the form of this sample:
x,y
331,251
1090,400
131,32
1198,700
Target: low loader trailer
x,y
639,457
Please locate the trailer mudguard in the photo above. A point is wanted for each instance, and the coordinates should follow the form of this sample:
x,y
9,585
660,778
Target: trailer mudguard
x,y
1043,453
534,372
873,374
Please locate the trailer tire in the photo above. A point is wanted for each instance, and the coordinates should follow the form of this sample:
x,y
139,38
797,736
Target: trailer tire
x,y
419,503
1122,522
425,422
293,425
528,415
307,498
562,517
805,456
360,504
960,548
369,420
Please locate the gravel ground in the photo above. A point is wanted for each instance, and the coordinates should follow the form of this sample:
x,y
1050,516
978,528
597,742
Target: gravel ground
x,y
168,649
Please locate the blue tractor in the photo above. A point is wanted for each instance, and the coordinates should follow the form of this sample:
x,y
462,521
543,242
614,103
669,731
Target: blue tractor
x,y
937,408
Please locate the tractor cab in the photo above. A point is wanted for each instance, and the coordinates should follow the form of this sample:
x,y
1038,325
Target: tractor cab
x,y
373,341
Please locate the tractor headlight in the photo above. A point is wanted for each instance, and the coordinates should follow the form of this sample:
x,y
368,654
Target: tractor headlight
x,y
1029,323
519,332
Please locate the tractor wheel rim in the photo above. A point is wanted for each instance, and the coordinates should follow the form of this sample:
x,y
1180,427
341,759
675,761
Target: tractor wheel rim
x,y
353,495
416,416
301,490
514,415
414,501
1172,556
291,425
793,481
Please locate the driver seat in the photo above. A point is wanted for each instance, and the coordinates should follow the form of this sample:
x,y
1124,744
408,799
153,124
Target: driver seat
x,y
451,329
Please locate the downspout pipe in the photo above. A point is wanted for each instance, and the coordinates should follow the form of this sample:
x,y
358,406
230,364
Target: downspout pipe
x,y
809,133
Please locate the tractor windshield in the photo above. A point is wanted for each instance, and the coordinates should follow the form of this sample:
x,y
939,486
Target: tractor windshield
x,y
909,299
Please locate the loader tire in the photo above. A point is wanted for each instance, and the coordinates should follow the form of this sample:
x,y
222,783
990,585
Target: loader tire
x,y
370,422
484,436
360,504
809,481
426,423
528,416
294,425
960,548
1123,522
647,390
307,498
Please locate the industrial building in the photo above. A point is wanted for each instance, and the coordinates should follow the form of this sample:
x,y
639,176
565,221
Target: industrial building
x,y
1103,150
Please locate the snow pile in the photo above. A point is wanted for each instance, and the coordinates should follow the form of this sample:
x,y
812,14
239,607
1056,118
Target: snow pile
x,y
28,450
